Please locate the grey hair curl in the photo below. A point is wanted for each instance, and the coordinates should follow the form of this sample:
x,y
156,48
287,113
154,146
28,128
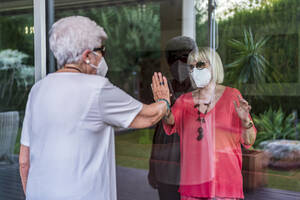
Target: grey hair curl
x,y
71,36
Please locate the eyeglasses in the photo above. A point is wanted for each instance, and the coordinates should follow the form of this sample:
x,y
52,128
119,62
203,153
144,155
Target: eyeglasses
x,y
199,65
102,49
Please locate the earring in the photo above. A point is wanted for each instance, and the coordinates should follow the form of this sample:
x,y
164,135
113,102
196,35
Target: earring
x,y
87,61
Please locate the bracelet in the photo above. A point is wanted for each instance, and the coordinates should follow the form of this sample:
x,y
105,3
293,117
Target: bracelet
x,y
168,105
168,115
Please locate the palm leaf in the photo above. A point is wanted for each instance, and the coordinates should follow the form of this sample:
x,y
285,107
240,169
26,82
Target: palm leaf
x,y
250,65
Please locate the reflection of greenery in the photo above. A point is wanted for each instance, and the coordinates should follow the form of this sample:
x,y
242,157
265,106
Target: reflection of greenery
x,y
284,180
273,125
133,34
129,153
276,19
12,35
16,71
131,150
16,80
250,65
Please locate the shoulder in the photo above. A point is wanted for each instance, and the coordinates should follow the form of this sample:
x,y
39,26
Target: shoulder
x,y
90,81
229,93
35,88
185,96
95,80
184,100
36,85
231,90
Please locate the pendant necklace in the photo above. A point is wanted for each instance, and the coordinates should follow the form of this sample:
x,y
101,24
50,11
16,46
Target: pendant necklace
x,y
201,120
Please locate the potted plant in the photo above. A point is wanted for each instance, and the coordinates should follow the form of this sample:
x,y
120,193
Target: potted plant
x,y
254,167
271,125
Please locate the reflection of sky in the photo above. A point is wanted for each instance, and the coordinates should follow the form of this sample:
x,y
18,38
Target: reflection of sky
x,y
224,6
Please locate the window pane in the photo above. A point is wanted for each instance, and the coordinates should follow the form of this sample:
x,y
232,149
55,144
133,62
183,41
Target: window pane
x,y
17,78
259,48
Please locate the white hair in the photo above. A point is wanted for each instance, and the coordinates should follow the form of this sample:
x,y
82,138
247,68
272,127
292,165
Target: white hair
x,y
210,55
71,36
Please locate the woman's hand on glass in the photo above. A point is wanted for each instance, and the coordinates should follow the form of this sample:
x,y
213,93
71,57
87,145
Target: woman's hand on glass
x,y
242,110
160,87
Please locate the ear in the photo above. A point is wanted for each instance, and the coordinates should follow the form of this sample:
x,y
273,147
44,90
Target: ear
x,y
85,55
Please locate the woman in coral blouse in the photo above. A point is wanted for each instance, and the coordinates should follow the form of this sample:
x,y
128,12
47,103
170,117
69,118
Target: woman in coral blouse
x,y
212,121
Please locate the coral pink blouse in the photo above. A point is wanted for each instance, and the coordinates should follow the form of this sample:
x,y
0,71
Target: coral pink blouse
x,y
212,166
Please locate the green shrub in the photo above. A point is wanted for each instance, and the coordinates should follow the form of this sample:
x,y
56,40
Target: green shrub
x,y
16,79
250,65
278,20
274,124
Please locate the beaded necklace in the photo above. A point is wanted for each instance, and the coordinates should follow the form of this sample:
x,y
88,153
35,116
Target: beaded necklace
x,y
201,120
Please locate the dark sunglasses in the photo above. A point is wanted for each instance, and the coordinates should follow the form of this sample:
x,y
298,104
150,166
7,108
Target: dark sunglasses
x,y
199,65
102,49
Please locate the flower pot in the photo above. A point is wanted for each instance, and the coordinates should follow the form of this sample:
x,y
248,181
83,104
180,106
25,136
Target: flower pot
x,y
254,169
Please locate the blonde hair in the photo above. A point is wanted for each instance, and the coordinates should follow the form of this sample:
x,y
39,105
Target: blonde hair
x,y
207,54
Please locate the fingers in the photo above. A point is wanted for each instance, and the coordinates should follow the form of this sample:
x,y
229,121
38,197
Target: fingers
x,y
160,78
154,87
243,104
242,100
153,83
166,88
165,83
160,87
235,106
155,80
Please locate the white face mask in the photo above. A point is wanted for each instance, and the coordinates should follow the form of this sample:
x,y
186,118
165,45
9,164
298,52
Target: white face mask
x,y
102,67
201,77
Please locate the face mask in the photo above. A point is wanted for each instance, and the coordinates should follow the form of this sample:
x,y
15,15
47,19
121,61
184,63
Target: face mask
x,y
102,67
201,77
180,71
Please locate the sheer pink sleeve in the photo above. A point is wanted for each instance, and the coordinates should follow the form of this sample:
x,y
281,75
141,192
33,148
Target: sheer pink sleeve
x,y
237,123
177,110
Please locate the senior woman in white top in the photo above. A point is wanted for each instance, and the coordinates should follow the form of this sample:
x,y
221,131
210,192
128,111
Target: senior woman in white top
x,y
67,144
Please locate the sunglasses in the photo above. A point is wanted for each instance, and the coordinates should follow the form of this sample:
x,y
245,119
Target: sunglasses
x,y
102,49
199,65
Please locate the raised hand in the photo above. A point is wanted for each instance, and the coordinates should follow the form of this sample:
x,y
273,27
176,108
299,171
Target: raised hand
x,y
243,109
160,87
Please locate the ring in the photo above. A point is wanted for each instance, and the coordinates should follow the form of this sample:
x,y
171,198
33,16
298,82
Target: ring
x,y
161,83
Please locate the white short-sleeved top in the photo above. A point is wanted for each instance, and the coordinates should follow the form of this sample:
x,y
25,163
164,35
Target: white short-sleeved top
x,y
68,126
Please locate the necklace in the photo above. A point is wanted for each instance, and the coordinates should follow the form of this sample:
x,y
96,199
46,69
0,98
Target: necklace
x,y
70,67
201,120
